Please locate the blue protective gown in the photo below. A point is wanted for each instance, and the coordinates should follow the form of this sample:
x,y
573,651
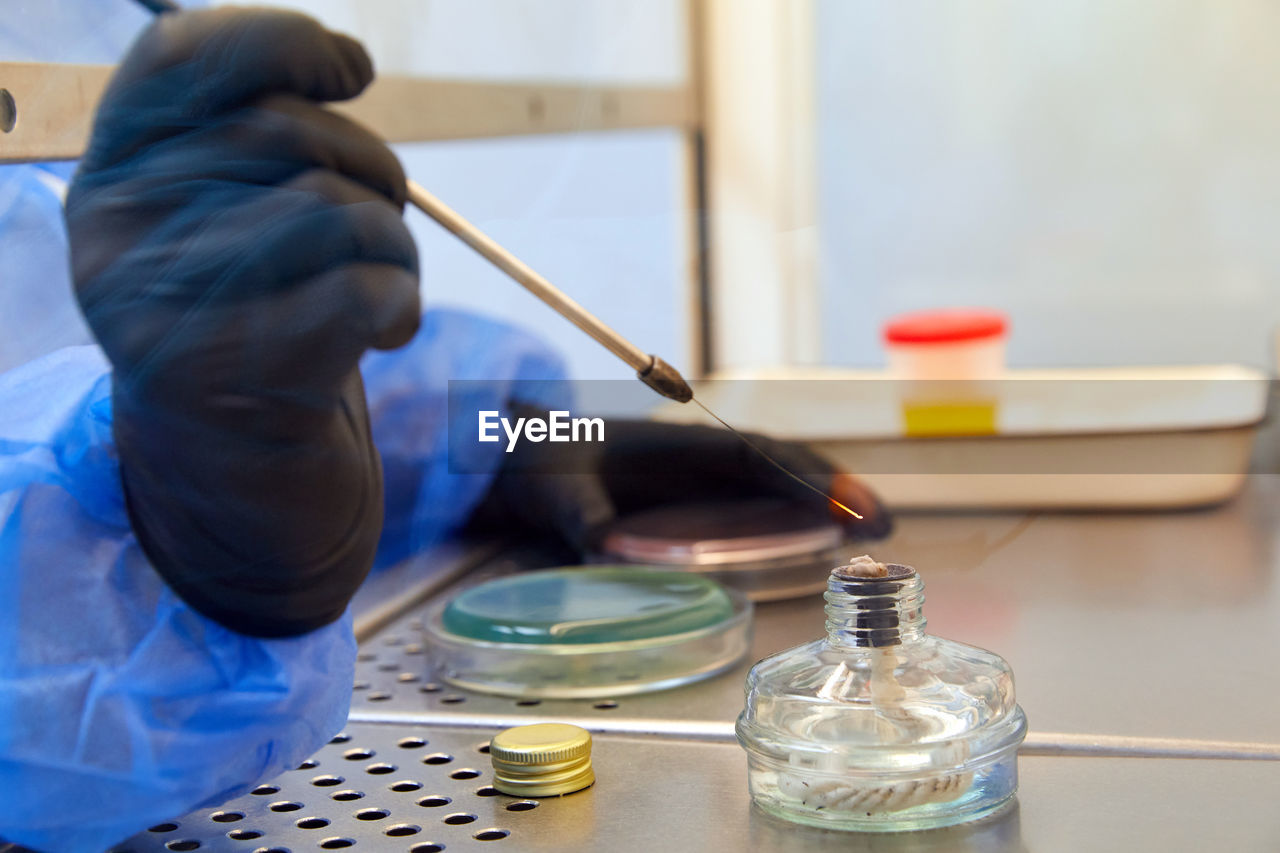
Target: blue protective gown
x,y
120,706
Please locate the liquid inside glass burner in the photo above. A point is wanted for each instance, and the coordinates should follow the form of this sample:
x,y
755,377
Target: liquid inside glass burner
x,y
588,632
768,549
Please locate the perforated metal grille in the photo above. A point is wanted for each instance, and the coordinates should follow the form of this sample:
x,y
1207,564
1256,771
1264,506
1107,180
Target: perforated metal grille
x,y
383,788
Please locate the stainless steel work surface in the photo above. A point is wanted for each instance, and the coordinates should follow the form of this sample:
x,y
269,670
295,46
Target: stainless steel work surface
x,y
665,795
1159,624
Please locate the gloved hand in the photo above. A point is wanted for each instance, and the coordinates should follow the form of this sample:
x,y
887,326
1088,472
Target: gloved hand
x,y
235,248
576,491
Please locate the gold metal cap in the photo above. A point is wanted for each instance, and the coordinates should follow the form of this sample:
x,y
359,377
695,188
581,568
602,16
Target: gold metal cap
x,y
542,760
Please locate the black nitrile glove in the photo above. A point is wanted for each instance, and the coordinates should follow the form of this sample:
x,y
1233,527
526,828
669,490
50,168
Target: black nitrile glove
x,y
575,491
236,248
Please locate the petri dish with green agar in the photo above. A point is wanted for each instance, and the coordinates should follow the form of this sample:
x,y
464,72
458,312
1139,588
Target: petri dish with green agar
x,y
587,632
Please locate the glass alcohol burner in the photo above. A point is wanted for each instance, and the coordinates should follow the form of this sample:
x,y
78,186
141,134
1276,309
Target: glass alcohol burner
x,y
879,726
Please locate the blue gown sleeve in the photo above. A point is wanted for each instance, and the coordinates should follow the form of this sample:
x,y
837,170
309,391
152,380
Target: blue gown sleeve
x,y
408,392
119,703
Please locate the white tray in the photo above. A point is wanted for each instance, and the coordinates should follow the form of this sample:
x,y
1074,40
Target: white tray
x,y
1151,438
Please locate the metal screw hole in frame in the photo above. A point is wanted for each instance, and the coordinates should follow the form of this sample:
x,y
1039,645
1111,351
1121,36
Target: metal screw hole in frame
x,y
8,111
459,818
226,817
434,801
494,834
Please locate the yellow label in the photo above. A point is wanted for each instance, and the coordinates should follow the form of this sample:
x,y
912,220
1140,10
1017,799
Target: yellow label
x,y
973,417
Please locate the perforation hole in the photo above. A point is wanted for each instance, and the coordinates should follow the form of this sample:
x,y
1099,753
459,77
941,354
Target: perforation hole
x,y
327,781
379,696
453,699
163,827
337,843
407,677
434,801
341,737
380,769
430,687
459,818
371,814
429,847
183,845
345,796
226,817
464,773
358,754
243,834
487,791
411,743
405,786
313,823
483,748
606,705
528,703
309,764
285,806
491,834
360,685
273,850
401,830
522,806
437,758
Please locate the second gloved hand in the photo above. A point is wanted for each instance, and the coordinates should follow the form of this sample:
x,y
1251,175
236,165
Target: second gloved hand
x,y
236,248
575,491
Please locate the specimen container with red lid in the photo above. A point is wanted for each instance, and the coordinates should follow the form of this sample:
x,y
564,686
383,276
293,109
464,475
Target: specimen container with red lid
x,y
948,343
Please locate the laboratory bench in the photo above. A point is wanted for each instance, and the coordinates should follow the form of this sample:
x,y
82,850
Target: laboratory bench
x,y
1152,624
